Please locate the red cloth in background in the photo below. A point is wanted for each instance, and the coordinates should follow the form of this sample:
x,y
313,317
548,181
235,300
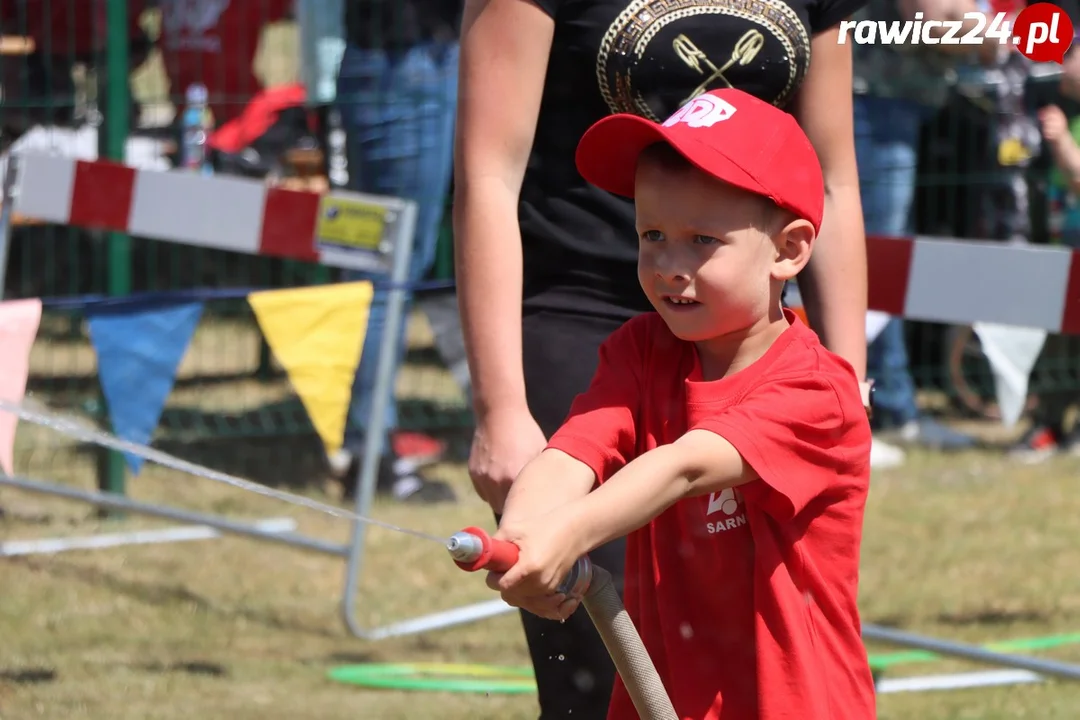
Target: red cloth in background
x,y
259,115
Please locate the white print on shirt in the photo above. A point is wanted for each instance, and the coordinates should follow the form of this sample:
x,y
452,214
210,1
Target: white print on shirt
x,y
919,31
187,23
729,502
702,111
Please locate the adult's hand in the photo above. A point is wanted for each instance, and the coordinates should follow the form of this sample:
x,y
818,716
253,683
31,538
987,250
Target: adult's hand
x,y
503,443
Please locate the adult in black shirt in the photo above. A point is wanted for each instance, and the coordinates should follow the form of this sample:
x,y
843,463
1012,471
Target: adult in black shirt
x,y
546,263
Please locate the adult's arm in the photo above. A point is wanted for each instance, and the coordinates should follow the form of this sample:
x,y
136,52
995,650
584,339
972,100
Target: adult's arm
x,y
833,285
504,53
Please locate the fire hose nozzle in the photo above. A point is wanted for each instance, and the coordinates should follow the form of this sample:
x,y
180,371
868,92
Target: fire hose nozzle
x,y
473,549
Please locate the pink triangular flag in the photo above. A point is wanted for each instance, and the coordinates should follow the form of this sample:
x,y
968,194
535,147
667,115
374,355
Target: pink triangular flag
x,y
19,320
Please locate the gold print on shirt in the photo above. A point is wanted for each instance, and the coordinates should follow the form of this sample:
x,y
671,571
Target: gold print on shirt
x,y
626,45
746,49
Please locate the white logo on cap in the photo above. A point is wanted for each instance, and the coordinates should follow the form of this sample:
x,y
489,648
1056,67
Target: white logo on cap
x,y
702,111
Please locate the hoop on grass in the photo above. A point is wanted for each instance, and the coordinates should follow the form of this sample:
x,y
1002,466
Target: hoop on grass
x,y
438,677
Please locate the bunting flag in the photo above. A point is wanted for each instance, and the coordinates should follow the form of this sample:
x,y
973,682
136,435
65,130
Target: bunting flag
x,y
875,323
19,321
317,334
1012,353
138,354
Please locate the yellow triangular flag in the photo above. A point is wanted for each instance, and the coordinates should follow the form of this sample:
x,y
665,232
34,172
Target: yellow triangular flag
x,y
317,334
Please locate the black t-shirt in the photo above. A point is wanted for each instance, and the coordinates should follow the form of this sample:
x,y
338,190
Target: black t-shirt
x,y
646,57
400,24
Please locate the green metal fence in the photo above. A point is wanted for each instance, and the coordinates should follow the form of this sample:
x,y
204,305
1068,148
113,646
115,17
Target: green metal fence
x,y
232,407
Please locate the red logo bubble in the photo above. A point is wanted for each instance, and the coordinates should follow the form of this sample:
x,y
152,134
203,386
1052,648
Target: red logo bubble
x,y
1043,32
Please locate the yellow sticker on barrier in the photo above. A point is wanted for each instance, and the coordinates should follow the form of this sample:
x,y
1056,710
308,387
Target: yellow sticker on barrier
x,y
350,223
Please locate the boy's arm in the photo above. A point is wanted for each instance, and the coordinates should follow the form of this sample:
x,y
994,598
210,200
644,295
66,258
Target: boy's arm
x,y
786,444
598,437
546,483
698,463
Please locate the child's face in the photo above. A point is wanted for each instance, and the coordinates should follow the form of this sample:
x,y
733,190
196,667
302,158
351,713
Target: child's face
x,y
707,258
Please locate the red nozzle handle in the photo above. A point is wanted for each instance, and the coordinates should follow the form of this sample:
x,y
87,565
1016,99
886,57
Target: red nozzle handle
x,y
496,555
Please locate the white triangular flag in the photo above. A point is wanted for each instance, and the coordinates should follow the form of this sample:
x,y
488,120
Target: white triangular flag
x,y
1012,353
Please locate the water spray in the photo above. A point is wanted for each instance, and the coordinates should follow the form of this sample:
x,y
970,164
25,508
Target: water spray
x,y
472,549
74,429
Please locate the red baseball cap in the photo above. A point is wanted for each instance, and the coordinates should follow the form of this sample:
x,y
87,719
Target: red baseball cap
x,y
727,133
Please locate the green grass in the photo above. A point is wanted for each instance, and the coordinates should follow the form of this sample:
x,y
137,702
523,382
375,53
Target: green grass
x,y
967,547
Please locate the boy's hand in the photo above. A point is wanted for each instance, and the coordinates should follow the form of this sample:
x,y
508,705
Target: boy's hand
x,y
547,551
1055,126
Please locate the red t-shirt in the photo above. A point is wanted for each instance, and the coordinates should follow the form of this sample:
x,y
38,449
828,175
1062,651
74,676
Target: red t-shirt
x,y
745,599
214,42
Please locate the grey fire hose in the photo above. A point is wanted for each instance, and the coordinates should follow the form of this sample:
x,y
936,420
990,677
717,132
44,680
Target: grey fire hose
x,y
472,549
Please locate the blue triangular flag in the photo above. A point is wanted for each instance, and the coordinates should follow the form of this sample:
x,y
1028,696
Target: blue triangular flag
x,y
138,353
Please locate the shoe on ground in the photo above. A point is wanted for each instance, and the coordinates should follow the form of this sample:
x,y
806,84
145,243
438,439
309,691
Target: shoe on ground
x,y
417,447
1042,442
412,451
416,489
929,433
884,456
395,480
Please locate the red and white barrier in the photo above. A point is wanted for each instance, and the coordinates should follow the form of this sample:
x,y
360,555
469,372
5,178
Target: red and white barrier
x,y
921,278
226,213
964,281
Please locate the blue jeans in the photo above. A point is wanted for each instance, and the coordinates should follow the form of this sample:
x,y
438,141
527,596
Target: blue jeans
x,y
886,145
397,110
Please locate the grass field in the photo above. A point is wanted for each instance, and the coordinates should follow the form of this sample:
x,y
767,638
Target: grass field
x,y
966,547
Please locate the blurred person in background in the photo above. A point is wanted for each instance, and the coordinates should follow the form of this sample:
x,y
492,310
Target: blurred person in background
x,y
39,81
547,264
897,88
397,96
1059,123
215,43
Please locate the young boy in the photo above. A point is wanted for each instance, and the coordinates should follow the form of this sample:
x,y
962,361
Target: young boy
x,y
729,445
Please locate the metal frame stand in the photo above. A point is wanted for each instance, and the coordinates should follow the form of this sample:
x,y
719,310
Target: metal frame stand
x,y
373,448
396,245
7,219
971,652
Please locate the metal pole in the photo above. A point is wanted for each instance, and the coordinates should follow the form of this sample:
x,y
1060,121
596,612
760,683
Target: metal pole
x,y
120,502
113,142
971,652
373,445
183,533
7,214
373,438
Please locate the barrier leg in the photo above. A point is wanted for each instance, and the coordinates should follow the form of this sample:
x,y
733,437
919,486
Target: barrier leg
x,y
112,501
373,446
373,438
6,219
971,652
